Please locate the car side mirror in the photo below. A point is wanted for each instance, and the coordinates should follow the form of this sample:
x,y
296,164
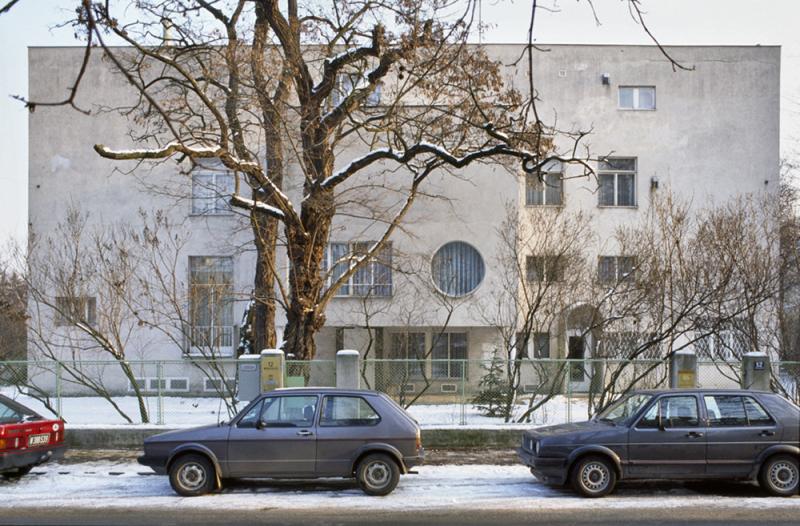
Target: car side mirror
x,y
261,424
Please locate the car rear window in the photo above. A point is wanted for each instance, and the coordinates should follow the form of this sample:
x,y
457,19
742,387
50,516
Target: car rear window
x,y
734,411
346,411
11,413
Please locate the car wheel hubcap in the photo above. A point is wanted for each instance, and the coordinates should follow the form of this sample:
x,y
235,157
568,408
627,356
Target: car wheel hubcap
x,y
192,476
378,474
594,477
783,475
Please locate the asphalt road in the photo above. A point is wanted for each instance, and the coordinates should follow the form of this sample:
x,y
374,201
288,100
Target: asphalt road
x,y
135,516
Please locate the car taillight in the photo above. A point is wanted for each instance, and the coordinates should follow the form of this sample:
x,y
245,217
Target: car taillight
x,y
419,439
2,443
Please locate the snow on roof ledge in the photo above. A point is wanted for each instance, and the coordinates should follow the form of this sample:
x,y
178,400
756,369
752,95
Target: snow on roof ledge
x,y
347,352
271,352
685,351
250,357
756,353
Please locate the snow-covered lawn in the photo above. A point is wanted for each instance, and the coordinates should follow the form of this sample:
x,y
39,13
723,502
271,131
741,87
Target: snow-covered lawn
x,y
186,411
122,484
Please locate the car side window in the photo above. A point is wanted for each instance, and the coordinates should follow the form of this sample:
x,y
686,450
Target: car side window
x,y
734,410
250,419
675,411
345,411
725,410
289,411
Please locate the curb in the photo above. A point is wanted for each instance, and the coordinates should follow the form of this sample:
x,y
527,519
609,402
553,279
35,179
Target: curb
x,y
432,438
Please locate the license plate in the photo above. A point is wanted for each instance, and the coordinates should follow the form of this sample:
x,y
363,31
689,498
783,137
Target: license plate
x,y
38,440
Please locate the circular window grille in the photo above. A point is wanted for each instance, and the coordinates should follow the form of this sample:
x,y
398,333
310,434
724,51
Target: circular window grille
x,y
457,269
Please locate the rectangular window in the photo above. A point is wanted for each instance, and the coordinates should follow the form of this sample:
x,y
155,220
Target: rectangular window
x,y
615,269
81,309
211,304
545,188
449,355
211,192
617,179
410,347
637,97
347,411
671,412
373,278
541,345
544,268
721,340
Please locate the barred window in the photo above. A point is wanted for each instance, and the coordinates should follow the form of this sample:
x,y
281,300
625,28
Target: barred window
x,y
721,340
211,303
457,269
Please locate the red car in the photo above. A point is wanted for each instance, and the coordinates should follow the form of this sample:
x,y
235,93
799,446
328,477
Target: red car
x,y
27,439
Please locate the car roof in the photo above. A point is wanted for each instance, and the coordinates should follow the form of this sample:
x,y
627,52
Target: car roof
x,y
699,390
323,390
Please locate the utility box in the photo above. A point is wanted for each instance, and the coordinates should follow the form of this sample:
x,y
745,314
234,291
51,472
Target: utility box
x,y
272,369
249,377
756,371
683,370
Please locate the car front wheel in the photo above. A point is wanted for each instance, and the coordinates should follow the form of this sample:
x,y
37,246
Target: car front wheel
x,y
377,474
192,475
780,476
594,477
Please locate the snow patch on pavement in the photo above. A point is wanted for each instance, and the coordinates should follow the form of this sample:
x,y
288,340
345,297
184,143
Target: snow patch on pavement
x,y
125,484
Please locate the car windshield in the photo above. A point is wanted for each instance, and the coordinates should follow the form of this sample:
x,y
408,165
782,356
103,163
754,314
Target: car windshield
x,y
11,413
624,408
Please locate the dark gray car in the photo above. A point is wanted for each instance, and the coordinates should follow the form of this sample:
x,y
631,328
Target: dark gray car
x,y
677,434
294,433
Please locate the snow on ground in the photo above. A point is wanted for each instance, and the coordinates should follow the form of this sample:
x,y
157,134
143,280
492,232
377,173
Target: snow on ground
x,y
122,484
178,411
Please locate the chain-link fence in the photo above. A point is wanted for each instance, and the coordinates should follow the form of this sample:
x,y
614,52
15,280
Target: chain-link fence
x,y
436,392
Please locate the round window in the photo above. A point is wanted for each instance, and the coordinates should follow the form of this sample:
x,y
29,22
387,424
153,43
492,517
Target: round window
x,y
457,269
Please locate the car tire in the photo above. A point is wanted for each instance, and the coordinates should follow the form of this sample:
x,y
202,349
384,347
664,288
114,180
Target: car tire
x,y
593,477
192,475
17,473
377,474
780,476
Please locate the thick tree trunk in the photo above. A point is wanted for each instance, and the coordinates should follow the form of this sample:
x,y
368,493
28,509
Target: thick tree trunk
x,y
265,233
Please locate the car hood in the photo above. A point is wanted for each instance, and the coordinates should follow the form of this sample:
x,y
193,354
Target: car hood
x,y
575,432
191,434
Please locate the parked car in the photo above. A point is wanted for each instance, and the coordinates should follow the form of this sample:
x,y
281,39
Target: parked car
x,y
27,439
294,433
676,434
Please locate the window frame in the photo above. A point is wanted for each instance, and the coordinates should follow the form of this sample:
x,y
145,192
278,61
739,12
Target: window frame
x,y
382,260
618,277
224,301
326,397
533,180
552,267
742,398
449,362
87,305
262,402
616,173
215,190
635,97
658,399
422,361
482,268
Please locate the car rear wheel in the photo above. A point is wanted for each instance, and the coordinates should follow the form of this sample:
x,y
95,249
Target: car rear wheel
x,y
192,475
17,473
594,477
780,476
377,474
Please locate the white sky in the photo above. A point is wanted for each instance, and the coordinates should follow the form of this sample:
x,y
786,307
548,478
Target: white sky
x,y
677,22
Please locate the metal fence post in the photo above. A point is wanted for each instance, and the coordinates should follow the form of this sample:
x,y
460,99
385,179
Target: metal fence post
x,y
58,390
160,374
569,391
463,421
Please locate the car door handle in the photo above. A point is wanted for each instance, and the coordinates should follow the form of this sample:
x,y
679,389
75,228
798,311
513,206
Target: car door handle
x,y
694,434
304,433
767,433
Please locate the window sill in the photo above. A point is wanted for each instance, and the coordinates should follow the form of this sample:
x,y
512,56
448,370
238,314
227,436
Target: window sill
x,y
636,109
544,206
620,207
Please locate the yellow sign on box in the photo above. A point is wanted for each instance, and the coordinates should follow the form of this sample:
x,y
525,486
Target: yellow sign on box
x,y
687,379
271,372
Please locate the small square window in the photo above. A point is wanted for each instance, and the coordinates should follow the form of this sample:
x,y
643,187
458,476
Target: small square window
x,y
637,97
